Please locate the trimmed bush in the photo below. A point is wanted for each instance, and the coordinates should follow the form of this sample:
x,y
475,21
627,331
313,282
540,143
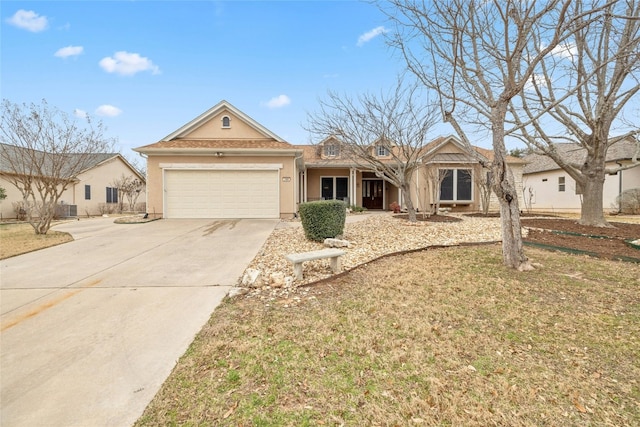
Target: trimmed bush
x,y
323,219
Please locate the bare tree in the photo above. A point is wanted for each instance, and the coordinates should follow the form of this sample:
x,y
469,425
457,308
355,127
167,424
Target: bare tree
x,y
396,124
478,56
128,187
434,177
484,187
579,94
43,151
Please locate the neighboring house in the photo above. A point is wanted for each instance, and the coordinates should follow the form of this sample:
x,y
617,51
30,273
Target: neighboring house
x,y
222,164
446,168
90,192
549,188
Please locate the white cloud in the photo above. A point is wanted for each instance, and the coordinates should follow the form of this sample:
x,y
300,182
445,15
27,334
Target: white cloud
x,y
128,64
369,35
68,51
279,101
107,110
564,50
539,81
29,20
80,113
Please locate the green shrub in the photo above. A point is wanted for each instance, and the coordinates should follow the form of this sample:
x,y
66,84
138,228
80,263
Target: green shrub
x,y
323,219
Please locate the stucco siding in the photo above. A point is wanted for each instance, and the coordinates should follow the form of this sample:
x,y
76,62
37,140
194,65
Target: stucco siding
x,y
287,177
213,128
547,197
98,178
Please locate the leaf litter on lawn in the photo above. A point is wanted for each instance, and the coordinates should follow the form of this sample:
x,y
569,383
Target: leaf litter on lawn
x,y
446,336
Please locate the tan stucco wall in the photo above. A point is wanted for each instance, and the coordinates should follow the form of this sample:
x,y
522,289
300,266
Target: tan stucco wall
x,y
287,187
314,176
238,129
391,192
423,194
99,178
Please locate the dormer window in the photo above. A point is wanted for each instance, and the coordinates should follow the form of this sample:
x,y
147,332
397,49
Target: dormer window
x,y
382,151
331,150
226,122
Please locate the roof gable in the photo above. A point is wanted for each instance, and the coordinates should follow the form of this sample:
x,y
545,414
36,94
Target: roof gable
x,y
208,125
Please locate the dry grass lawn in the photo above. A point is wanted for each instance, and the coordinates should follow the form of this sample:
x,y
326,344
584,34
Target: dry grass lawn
x,y
19,238
440,337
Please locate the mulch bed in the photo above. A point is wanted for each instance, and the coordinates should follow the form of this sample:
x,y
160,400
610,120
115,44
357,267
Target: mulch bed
x,y
550,233
603,242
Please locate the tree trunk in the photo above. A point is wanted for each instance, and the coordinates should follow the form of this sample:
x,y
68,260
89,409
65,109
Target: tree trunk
x,y
407,200
592,212
504,187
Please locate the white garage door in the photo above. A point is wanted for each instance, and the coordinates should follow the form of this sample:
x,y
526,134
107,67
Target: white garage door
x,y
221,194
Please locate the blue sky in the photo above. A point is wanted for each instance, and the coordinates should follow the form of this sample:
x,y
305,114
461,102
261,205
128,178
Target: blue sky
x,y
146,68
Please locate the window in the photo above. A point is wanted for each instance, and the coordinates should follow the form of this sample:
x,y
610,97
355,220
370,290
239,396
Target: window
x,y
331,150
334,187
112,195
561,183
455,185
87,192
226,122
382,151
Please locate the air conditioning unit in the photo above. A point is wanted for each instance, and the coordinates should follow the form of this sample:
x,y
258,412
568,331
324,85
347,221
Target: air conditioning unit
x,y
66,211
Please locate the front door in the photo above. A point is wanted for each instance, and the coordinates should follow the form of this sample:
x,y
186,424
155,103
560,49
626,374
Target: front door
x,y
373,193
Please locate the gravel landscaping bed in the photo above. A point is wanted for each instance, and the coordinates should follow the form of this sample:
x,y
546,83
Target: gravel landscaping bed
x,y
370,237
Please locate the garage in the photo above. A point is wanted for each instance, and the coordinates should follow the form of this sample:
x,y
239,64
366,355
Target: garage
x,y
228,193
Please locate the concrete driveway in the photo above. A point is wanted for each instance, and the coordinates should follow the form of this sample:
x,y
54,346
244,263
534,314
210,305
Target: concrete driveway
x,y
92,328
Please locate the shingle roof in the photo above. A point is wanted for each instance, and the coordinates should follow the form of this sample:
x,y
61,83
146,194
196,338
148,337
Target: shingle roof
x,y
11,151
312,155
490,154
218,144
573,153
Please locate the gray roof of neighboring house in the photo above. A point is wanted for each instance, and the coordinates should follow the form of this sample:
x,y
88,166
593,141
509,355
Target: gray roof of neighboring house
x,y
573,153
7,151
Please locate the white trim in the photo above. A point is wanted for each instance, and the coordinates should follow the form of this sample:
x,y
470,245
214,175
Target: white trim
x,y
222,166
334,185
385,151
353,195
455,186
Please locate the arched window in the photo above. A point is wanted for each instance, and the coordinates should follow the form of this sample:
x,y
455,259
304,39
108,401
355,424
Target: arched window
x,y
226,122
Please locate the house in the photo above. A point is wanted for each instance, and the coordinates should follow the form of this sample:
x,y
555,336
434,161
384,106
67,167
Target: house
x,y
447,169
91,192
223,164
549,188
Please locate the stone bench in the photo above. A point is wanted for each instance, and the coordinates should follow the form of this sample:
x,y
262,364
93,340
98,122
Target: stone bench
x,y
299,258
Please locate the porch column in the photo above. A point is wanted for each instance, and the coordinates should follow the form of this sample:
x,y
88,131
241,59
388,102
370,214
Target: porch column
x,y
304,186
352,186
